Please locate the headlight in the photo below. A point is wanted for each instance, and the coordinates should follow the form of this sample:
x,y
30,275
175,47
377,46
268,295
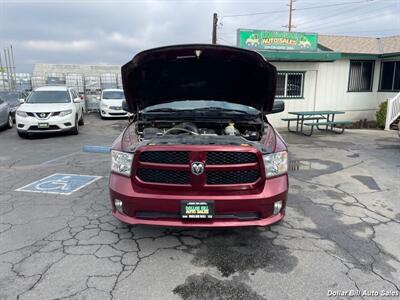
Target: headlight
x,y
21,114
276,163
65,113
121,162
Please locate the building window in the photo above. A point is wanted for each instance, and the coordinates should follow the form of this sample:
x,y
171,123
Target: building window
x,y
290,85
361,75
390,76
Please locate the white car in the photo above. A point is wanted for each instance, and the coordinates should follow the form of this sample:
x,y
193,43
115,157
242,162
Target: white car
x,y
111,104
50,109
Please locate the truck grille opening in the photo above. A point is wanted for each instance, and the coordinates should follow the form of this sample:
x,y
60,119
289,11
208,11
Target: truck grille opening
x,y
232,177
163,176
230,158
165,157
183,175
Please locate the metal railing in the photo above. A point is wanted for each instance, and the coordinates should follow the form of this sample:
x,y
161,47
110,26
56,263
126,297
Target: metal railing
x,y
393,111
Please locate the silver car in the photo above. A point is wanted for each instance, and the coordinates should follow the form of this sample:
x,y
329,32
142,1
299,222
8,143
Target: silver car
x,y
13,98
6,116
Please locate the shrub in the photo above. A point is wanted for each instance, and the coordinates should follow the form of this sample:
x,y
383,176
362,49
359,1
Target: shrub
x,y
381,115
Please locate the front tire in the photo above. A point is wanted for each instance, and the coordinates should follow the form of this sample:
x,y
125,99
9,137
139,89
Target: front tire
x,y
10,122
75,130
81,121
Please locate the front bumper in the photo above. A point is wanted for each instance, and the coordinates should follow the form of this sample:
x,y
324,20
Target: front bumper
x,y
137,204
111,113
56,124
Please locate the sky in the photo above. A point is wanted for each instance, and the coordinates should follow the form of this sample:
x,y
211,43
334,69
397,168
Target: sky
x,y
112,32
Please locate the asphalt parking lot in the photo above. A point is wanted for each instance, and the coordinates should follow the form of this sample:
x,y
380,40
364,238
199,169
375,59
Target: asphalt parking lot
x,y
341,231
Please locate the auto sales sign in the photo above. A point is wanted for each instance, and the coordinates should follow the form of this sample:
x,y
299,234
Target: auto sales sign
x,y
276,40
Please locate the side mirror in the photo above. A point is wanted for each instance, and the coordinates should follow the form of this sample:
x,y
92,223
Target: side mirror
x,y
77,100
125,105
98,97
279,106
22,100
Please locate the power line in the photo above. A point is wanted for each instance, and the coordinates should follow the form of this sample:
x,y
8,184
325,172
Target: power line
x,y
354,20
254,14
337,13
304,8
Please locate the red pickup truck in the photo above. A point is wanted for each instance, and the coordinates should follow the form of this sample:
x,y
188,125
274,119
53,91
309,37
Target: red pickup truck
x,y
200,151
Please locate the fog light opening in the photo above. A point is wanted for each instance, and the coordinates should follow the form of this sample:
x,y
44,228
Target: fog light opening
x,y
118,205
277,207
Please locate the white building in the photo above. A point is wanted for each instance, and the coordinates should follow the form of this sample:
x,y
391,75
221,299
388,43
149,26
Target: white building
x,y
351,74
80,76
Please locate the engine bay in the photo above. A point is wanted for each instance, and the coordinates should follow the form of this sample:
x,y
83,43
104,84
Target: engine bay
x,y
251,131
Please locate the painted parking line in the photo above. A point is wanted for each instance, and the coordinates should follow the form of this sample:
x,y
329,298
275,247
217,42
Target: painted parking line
x,y
59,183
96,149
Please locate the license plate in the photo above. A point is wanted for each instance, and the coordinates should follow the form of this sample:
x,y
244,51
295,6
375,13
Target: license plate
x,y
43,125
197,209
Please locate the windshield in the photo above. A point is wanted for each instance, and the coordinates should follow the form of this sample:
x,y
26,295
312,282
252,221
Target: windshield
x,y
113,95
49,97
201,105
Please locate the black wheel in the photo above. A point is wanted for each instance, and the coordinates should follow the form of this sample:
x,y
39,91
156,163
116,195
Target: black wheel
x,y
75,130
10,122
22,134
82,121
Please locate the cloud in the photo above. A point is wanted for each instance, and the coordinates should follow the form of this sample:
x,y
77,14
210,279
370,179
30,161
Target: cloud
x,y
126,40
78,31
60,46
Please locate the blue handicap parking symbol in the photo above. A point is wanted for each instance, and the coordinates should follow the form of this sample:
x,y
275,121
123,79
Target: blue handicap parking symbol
x,y
58,183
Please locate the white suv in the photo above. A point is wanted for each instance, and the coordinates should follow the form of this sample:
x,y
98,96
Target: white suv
x,y
50,109
111,104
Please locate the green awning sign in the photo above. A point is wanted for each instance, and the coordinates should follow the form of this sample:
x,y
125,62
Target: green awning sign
x,y
276,40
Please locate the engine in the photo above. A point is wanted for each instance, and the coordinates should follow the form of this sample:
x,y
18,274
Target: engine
x,y
248,131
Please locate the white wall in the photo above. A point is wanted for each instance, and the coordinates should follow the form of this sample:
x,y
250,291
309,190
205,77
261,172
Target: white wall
x,y
325,88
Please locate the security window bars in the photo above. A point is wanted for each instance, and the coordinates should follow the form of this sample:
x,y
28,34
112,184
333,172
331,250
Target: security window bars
x,y
390,76
290,85
360,77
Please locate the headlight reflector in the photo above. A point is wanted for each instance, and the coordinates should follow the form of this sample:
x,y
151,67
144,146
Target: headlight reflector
x,y
21,114
276,163
65,113
121,162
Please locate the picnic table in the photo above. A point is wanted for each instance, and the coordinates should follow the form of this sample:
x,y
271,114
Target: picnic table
x,y
323,120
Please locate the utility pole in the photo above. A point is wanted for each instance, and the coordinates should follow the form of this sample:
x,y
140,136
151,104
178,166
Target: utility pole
x,y
7,69
290,15
10,68
14,74
214,28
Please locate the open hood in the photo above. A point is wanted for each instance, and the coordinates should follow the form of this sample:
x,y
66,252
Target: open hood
x,y
199,72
